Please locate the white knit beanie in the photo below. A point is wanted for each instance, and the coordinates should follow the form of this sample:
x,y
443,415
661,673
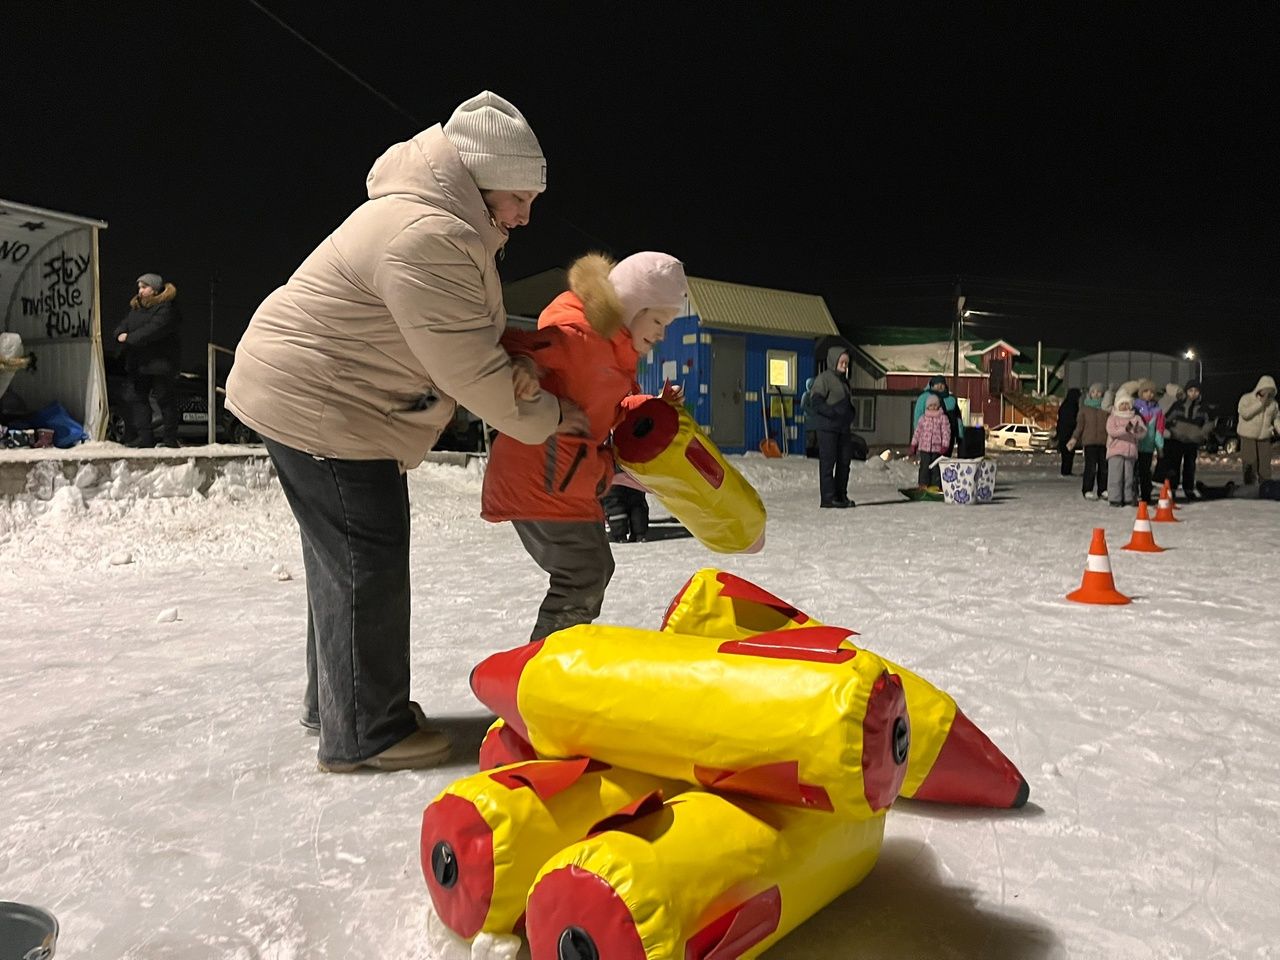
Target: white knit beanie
x,y
649,280
496,144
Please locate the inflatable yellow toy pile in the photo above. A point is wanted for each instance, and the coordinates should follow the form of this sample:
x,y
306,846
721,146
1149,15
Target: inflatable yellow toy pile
x,y
695,792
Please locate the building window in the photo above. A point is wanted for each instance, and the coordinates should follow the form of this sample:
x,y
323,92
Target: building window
x,y
781,370
864,413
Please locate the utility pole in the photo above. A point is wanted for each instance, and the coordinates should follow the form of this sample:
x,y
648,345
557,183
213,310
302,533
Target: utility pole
x,y
955,360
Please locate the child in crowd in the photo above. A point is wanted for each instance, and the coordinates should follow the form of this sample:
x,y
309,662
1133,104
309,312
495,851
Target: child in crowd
x,y
1125,430
1153,417
1091,433
626,510
931,440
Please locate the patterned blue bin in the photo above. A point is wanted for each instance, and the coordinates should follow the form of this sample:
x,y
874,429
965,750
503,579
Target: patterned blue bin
x,y
968,481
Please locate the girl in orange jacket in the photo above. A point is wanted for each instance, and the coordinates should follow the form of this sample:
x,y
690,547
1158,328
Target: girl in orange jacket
x,y
586,348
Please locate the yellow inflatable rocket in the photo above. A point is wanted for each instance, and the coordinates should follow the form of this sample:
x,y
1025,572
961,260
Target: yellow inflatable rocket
x,y
951,760
485,837
703,876
798,717
665,450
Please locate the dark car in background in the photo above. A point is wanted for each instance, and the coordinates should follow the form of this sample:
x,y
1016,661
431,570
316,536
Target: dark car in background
x,y
191,392
1222,436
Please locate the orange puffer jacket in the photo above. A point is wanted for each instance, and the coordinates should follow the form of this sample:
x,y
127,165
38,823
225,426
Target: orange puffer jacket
x,y
564,477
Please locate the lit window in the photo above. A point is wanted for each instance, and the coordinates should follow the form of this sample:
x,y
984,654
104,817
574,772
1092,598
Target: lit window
x,y
781,366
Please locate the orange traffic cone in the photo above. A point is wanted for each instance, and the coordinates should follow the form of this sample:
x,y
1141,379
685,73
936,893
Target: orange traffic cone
x,y
1098,585
1164,508
1142,540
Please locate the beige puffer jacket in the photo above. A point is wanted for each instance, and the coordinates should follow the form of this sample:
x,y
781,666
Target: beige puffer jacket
x,y
1259,418
362,354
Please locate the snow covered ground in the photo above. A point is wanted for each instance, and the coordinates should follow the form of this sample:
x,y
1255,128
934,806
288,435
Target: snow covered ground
x,y
161,799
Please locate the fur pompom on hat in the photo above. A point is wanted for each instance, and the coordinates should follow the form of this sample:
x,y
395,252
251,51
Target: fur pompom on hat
x,y
152,280
496,144
649,279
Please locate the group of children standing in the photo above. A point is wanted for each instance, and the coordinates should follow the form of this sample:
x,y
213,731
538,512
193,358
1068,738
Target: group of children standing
x,y
1121,440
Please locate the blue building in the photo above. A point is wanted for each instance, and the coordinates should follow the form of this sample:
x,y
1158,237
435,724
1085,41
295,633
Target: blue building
x,y
741,353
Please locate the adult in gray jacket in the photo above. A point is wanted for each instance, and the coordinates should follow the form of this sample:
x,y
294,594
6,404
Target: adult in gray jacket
x,y
831,403
351,370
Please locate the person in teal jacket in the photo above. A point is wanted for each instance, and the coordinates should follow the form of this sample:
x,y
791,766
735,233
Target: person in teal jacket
x,y
938,387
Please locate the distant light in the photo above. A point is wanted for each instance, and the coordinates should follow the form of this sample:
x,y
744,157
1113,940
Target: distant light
x,y
1190,355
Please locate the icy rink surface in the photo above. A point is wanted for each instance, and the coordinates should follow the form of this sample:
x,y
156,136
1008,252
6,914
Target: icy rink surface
x,y
161,799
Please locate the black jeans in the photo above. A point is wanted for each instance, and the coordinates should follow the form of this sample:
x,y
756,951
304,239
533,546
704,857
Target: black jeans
x,y
1144,474
927,476
141,387
353,516
576,556
835,450
1095,468
1179,458
1068,458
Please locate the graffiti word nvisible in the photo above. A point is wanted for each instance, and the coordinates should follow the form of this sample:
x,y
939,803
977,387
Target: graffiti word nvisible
x,y
61,300
15,252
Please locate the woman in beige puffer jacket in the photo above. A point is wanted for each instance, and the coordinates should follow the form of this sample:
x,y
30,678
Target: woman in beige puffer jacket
x,y
1258,424
351,370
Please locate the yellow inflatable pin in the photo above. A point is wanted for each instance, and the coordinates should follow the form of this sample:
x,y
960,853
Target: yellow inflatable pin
x,y
663,448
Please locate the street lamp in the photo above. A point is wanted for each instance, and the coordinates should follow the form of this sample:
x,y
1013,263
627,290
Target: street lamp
x,y
1191,355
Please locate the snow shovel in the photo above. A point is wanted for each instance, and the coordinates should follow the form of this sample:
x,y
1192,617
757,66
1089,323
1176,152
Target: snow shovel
x,y
767,446
782,418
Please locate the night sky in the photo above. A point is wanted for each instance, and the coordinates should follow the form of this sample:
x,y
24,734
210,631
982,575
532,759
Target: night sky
x,y
1102,175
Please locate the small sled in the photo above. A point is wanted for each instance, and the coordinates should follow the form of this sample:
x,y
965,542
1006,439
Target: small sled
x,y
918,494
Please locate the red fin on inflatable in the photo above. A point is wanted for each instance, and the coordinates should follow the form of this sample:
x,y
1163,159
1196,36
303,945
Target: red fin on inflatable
x,y
818,644
776,782
733,933
735,588
495,681
651,802
971,770
502,746
546,778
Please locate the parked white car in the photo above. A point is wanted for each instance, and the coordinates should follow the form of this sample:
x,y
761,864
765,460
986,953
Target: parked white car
x,y
1018,436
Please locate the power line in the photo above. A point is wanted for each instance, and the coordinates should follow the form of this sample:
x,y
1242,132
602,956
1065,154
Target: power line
x,y
395,106
349,72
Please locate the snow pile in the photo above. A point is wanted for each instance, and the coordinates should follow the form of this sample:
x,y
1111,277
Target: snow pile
x,y
162,800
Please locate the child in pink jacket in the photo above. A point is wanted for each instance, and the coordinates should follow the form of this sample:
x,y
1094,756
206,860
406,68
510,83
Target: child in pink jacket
x,y
1124,429
931,440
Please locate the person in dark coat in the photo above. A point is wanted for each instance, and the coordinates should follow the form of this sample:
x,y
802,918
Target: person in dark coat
x,y
1188,423
148,337
832,403
1068,413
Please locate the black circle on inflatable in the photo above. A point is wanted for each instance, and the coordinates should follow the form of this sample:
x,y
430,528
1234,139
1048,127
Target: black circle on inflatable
x,y
576,944
444,865
901,740
642,428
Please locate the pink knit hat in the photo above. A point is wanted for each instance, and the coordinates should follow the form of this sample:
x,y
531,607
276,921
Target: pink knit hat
x,y
649,280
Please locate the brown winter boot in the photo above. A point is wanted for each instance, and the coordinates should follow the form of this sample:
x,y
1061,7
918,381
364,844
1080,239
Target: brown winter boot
x,y
421,749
